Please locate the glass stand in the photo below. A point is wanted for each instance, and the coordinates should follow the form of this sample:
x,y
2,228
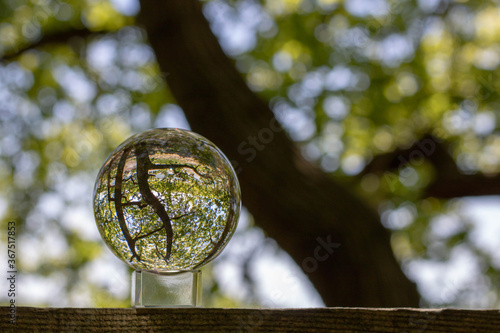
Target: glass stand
x,y
166,290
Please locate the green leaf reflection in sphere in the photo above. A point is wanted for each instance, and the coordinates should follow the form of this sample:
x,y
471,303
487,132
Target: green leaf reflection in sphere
x,y
166,200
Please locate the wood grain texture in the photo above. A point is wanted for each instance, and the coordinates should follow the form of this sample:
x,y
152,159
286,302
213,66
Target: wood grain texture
x,y
401,320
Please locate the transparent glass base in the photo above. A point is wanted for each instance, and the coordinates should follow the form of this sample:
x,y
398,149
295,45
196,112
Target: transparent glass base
x,y
166,290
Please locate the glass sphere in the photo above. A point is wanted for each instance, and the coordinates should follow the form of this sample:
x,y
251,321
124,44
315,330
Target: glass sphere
x,y
166,200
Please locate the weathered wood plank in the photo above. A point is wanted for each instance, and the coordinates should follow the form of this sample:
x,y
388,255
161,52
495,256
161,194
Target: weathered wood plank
x,y
399,320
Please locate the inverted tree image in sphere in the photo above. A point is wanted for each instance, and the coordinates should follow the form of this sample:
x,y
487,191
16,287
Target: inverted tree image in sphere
x,y
166,200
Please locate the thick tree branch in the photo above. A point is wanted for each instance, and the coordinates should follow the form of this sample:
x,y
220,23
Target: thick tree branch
x,y
428,147
448,182
464,186
119,206
292,200
143,166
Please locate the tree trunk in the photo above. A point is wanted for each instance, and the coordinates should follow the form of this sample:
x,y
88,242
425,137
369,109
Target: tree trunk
x,y
336,238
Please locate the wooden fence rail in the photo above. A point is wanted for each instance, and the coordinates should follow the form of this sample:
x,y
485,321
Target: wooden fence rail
x,y
399,320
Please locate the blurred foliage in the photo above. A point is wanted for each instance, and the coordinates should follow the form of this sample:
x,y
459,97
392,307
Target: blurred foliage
x,y
349,81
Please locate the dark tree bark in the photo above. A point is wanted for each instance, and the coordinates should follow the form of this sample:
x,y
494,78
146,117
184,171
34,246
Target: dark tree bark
x,y
334,236
118,202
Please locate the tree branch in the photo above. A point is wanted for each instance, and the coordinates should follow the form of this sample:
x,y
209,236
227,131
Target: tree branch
x,y
174,166
449,182
53,37
148,234
143,166
119,206
428,147
464,186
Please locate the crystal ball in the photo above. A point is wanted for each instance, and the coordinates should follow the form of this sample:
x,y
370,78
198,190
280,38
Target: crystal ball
x,y
166,200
